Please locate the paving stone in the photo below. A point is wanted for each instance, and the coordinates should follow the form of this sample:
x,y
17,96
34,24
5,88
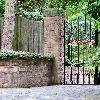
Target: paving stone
x,y
58,92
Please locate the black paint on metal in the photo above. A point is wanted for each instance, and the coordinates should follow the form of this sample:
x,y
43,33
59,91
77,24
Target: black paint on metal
x,y
96,37
82,34
96,76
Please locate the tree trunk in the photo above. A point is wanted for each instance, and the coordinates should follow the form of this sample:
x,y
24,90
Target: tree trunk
x,y
9,23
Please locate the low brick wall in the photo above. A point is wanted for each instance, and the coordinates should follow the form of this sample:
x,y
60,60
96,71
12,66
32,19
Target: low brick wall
x,y
74,75
26,73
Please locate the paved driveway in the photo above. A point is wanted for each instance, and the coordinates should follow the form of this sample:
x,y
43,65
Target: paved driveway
x,y
60,92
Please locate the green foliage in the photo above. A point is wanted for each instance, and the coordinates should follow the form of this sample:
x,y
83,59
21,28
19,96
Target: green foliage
x,y
2,2
94,10
60,3
30,9
94,60
72,8
5,54
35,14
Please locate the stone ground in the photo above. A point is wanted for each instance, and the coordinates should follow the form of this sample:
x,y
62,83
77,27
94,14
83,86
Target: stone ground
x,y
60,92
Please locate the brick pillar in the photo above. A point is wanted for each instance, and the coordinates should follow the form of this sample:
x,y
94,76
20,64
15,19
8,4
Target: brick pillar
x,y
54,43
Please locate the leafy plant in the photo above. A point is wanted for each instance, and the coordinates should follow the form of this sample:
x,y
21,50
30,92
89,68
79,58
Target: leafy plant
x,y
94,59
29,9
2,2
6,54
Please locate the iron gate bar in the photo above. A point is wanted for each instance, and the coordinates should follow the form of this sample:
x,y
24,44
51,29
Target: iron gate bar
x,y
99,78
34,36
96,76
78,39
28,38
71,44
96,37
78,54
83,74
78,76
90,30
71,52
69,47
71,76
85,24
89,78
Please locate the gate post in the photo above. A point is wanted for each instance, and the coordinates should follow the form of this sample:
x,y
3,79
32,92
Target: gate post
x,y
96,76
54,43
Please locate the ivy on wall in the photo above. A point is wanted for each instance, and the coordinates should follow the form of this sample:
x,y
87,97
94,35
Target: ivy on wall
x,y
10,54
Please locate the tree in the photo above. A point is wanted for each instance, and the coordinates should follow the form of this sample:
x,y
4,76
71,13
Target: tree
x,y
91,7
9,23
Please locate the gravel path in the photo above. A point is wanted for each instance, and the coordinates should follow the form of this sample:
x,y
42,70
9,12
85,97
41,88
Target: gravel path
x,y
60,92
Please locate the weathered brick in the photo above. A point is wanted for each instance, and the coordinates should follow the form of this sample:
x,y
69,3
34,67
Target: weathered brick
x,y
54,42
25,73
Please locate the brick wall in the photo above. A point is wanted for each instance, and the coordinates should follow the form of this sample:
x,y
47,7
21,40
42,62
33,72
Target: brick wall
x,y
74,76
24,73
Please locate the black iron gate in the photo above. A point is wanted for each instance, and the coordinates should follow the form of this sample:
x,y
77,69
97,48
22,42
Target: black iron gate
x,y
80,41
